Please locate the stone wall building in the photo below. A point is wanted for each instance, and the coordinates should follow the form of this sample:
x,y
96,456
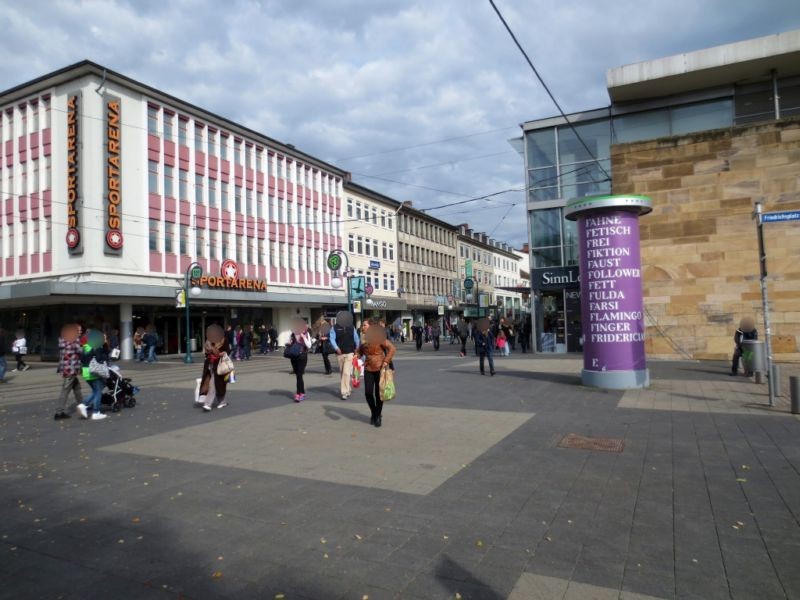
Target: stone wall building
x,y
706,135
699,245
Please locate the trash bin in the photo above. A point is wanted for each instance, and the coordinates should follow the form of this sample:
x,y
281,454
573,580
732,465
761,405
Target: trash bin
x,y
754,356
194,344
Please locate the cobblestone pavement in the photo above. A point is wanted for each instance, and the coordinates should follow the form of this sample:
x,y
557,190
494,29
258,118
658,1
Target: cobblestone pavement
x,y
465,492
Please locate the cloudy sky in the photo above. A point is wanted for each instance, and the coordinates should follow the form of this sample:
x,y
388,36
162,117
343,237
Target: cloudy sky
x,y
416,97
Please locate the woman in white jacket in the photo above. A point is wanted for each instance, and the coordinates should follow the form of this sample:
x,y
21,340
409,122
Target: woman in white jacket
x,y
20,348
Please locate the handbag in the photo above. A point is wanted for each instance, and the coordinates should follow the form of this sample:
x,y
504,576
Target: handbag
x,y
98,368
292,350
387,387
355,376
225,364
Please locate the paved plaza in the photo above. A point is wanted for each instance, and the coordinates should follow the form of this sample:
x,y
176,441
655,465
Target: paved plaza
x,y
469,490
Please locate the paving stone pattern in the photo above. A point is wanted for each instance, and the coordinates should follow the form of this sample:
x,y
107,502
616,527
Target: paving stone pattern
x,y
700,504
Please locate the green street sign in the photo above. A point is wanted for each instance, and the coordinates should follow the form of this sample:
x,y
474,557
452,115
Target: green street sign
x,y
197,272
468,267
334,261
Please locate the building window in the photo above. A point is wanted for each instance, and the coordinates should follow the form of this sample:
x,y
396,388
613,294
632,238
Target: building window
x,y
237,151
198,189
212,192
200,242
367,248
211,149
223,199
152,179
212,245
350,207
184,240
237,199
183,128
391,251
169,175
183,184
169,118
375,248
223,147
384,251
248,194
198,137
351,243
154,228
169,231
152,120
360,245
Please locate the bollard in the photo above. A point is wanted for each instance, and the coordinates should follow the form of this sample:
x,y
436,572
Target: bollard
x,y
759,376
794,391
776,380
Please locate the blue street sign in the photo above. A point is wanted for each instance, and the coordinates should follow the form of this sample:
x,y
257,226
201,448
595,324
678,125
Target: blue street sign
x,y
778,217
375,265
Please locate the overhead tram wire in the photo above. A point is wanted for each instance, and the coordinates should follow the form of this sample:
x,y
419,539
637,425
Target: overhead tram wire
x,y
547,89
423,144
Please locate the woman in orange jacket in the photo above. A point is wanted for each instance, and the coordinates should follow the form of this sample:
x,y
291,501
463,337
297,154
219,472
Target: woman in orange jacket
x,y
378,353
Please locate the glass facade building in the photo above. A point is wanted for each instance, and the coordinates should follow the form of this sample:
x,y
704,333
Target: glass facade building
x,y
565,160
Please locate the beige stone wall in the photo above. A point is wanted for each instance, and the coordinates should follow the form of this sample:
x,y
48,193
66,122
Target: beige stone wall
x,y
699,245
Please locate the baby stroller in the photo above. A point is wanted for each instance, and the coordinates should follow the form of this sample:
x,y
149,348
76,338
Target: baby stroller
x,y
120,392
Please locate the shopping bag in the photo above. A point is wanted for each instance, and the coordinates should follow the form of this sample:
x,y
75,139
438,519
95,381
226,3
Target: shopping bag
x,y
355,377
225,364
197,391
388,390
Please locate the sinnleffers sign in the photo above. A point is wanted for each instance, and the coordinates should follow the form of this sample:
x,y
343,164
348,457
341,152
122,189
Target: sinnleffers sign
x,y
612,307
555,278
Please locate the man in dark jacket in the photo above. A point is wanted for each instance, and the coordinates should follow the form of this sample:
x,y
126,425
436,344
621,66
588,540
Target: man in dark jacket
x,y
344,340
418,331
747,331
484,346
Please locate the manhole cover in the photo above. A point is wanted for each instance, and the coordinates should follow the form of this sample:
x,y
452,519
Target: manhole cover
x,y
573,440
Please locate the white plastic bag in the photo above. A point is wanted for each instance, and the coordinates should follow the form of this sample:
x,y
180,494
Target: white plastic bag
x,y
197,391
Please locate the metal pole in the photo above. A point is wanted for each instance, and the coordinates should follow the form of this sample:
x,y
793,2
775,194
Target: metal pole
x,y
794,392
765,304
187,359
775,97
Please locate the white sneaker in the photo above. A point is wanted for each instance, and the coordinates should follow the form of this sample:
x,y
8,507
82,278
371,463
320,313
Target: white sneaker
x,y
82,410
222,404
98,416
206,408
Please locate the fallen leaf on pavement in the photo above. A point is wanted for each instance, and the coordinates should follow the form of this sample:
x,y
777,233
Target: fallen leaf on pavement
x,y
135,520
741,480
358,537
217,575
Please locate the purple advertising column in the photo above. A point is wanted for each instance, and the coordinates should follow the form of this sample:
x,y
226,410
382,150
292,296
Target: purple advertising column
x,y
612,309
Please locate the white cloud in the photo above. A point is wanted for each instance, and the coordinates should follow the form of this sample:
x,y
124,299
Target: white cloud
x,y
359,77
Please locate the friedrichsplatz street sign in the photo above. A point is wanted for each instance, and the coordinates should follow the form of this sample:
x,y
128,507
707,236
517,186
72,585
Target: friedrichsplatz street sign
x,y
779,217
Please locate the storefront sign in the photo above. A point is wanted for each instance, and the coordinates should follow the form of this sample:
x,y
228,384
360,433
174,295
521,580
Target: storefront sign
x,y
555,278
375,265
113,174
377,304
230,280
74,241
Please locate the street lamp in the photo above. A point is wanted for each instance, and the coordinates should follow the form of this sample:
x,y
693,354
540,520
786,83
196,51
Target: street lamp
x,y
196,271
334,263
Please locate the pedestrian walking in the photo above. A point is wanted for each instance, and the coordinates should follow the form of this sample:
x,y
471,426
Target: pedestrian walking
x,y
484,345
263,339
746,331
436,333
69,366
247,342
525,335
299,344
3,347
20,348
344,341
273,338
323,329
377,352
213,386
463,334
138,344
94,360
502,342
418,332
150,340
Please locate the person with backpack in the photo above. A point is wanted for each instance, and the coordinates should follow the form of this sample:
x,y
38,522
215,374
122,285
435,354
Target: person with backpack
x,y
300,343
344,341
746,331
150,340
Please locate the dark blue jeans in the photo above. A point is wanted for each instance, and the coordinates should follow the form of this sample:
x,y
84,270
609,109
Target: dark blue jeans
x,y
95,398
482,356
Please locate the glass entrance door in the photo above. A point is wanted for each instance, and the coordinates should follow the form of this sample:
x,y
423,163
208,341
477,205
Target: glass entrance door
x,y
552,335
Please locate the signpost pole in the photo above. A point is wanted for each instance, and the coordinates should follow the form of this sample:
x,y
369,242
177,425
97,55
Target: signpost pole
x,y
187,359
762,259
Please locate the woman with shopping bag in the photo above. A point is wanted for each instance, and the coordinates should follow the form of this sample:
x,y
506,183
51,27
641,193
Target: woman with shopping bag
x,y
217,368
377,352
